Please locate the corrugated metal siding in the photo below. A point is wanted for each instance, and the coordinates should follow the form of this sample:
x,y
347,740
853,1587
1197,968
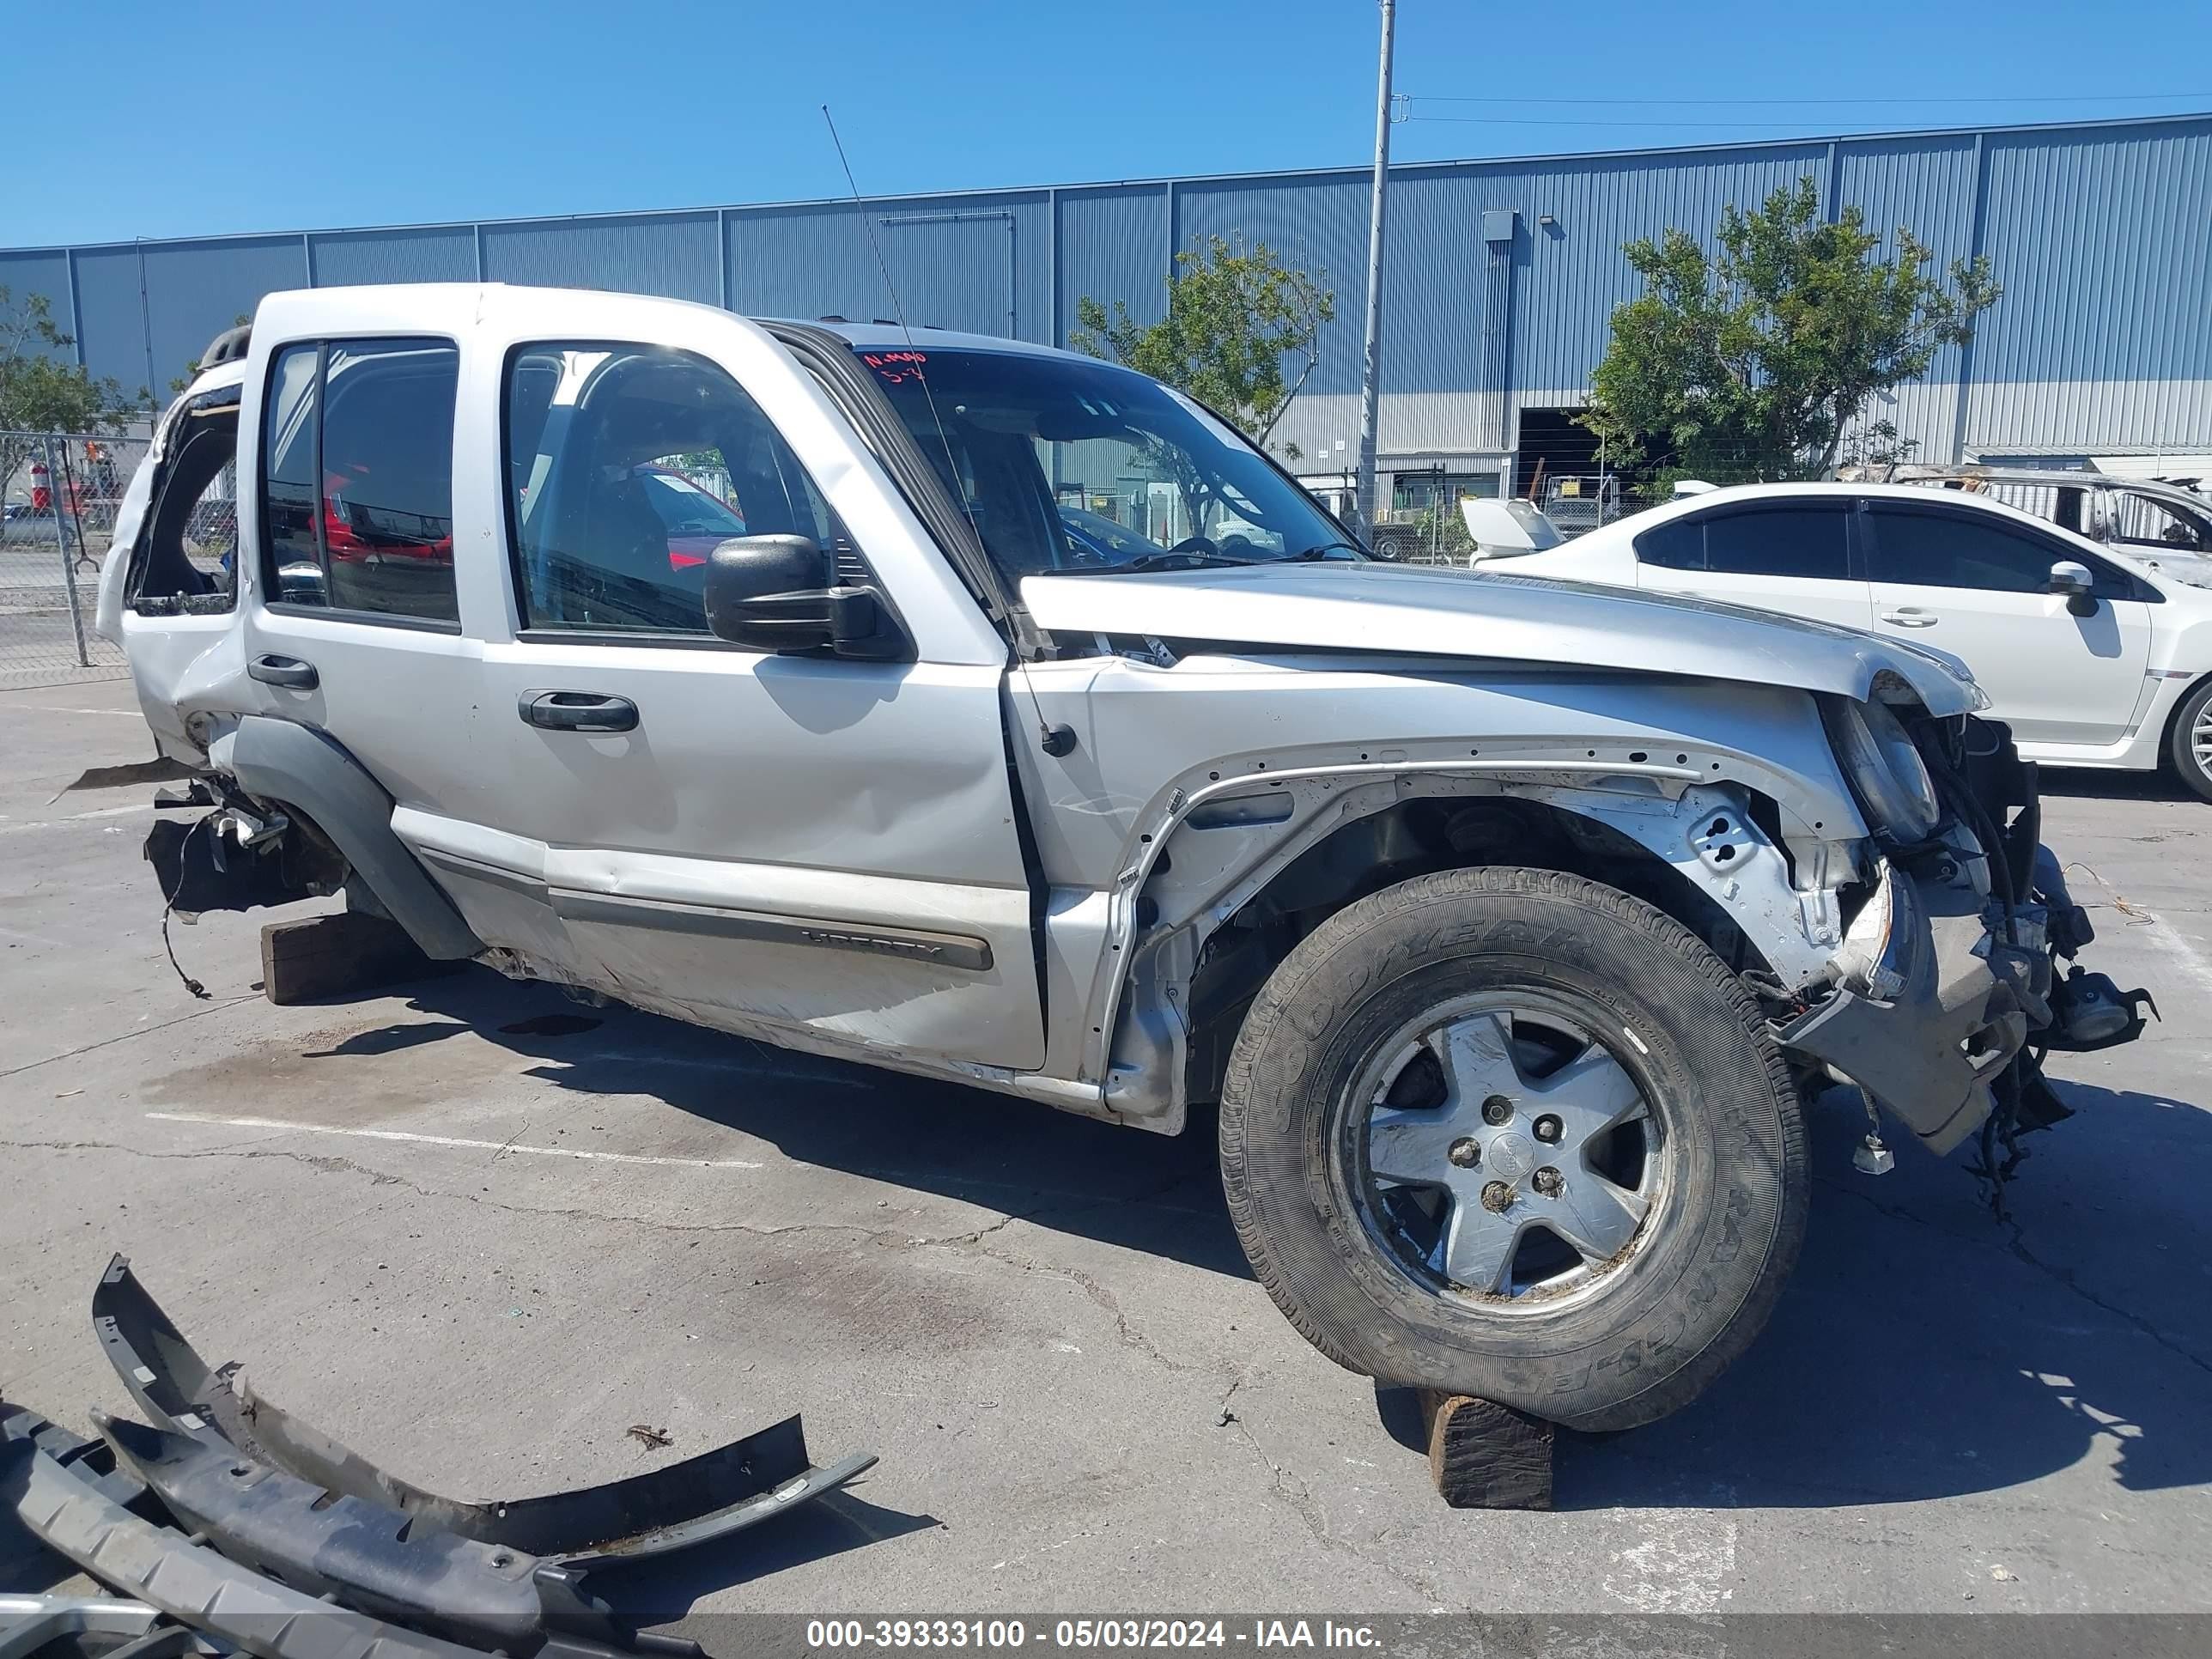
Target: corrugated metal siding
x,y
45,274
441,254
1320,223
2098,233
1433,310
672,254
2105,329
194,292
1574,273
960,262
112,316
1114,245
1926,185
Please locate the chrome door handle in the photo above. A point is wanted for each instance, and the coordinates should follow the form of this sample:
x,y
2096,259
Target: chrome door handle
x,y
578,711
1910,617
287,672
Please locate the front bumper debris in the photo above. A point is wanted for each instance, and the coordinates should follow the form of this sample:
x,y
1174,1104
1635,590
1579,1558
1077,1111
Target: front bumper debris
x,y
1940,1010
1946,991
186,1580
273,1522
704,1498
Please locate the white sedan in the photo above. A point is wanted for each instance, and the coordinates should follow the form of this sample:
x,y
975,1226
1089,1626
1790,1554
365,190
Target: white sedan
x,y
2093,658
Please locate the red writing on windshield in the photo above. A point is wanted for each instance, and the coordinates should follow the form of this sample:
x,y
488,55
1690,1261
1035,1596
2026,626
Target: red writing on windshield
x,y
895,365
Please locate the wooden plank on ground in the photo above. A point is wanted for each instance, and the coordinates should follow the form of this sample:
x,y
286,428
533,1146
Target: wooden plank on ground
x,y
1483,1455
339,955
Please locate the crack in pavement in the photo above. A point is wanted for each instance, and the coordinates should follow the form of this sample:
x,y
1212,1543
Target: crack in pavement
x,y
216,1007
2065,1276
2017,1249
1298,1495
890,1237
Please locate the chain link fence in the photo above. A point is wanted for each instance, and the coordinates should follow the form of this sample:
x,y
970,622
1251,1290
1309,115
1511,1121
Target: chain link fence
x,y
59,496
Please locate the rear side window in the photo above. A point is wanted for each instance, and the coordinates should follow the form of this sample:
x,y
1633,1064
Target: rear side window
x,y
358,481
1808,543
186,561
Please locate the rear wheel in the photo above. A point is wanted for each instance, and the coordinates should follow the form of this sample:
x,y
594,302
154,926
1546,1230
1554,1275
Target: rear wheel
x,y
1514,1134
2189,742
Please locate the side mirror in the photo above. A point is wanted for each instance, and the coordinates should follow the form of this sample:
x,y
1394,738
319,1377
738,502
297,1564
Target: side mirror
x,y
2072,578
777,593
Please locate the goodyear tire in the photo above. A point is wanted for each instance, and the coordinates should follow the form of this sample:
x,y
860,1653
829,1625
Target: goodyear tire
x,y
1514,1134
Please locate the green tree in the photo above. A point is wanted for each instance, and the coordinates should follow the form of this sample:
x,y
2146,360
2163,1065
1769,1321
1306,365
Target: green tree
x,y
1242,332
1752,362
41,391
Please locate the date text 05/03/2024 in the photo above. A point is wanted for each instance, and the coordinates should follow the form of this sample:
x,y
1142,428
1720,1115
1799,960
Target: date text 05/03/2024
x,y
1004,1635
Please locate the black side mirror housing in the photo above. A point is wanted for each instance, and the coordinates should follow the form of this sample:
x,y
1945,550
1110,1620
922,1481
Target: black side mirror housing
x,y
779,594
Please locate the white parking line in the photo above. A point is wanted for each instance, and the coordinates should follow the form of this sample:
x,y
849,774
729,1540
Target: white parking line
x,y
499,1146
76,817
62,709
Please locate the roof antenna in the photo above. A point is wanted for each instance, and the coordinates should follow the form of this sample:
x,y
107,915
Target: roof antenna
x,y
1056,740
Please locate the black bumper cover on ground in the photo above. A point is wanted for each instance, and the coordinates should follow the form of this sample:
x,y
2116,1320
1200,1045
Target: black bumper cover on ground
x,y
293,1516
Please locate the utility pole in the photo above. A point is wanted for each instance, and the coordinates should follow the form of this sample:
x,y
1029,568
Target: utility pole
x,y
1372,362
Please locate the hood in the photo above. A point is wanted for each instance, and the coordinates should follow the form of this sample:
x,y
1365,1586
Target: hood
x,y
1400,610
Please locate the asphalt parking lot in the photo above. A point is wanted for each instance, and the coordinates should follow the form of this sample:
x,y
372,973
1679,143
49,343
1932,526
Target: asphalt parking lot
x,y
478,1232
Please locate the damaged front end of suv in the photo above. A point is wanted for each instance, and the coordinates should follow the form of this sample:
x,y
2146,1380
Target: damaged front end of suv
x,y
1948,990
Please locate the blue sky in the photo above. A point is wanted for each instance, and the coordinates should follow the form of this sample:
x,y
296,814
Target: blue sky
x,y
145,118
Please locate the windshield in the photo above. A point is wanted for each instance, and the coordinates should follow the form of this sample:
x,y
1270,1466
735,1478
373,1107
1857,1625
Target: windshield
x,y
1065,464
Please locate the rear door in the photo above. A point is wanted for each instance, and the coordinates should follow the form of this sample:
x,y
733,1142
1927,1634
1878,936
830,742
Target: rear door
x,y
811,844
1976,584
169,587
1791,556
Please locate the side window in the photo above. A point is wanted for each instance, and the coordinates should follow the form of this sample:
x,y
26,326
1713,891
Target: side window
x,y
626,466
293,556
1806,542
1961,550
185,561
1778,541
1677,546
2139,521
358,488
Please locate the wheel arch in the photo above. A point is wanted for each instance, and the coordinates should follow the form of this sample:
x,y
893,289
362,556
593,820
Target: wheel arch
x,y
2171,726
1212,915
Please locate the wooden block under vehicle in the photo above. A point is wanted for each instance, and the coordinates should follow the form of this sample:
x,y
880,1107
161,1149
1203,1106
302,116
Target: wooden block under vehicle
x,y
1483,1455
337,955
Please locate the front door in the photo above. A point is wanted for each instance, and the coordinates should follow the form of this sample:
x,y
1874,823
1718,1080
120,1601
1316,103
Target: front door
x,y
1977,585
816,845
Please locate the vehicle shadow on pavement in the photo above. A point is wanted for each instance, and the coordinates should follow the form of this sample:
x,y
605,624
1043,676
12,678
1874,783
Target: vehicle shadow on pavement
x,y
1926,1349
2085,783
1157,1193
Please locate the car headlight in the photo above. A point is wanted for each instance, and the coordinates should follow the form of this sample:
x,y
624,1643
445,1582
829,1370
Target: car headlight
x,y
1885,768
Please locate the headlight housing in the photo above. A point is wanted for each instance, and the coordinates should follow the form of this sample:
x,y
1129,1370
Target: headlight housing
x,y
1885,769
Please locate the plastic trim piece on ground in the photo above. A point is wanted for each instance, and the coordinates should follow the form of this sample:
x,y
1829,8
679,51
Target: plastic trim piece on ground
x,y
711,1495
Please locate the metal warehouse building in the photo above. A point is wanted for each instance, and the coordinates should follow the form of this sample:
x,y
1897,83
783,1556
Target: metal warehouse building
x,y
1500,279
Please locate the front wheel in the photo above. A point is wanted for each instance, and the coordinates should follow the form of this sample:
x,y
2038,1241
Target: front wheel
x,y
1513,1133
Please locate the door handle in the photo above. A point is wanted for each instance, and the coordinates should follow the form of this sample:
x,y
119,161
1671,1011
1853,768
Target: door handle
x,y
287,672
1911,616
578,711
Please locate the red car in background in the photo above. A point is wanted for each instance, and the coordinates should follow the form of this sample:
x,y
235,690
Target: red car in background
x,y
697,520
